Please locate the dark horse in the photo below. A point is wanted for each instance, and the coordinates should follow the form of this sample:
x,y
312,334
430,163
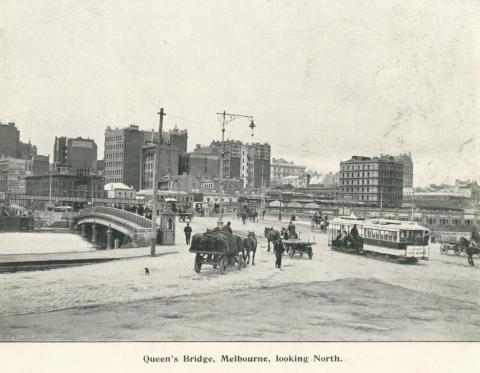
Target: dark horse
x,y
470,247
250,244
272,235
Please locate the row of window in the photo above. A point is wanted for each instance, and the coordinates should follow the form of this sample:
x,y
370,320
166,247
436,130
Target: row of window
x,y
113,155
374,166
116,145
117,171
114,138
373,182
114,164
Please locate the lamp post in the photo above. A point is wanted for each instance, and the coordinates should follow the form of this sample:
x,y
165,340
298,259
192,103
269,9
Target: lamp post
x,y
226,118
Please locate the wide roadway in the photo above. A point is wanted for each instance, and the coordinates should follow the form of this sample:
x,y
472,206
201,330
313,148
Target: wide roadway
x,y
334,296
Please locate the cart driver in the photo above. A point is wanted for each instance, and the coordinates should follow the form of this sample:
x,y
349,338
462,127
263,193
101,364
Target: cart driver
x,y
228,227
291,230
475,236
354,232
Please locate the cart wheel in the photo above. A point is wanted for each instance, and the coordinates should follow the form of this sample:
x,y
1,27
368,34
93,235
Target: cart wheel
x,y
198,265
457,250
310,254
444,249
223,265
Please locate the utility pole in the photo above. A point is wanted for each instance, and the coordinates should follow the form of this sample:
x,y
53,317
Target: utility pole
x,y
156,158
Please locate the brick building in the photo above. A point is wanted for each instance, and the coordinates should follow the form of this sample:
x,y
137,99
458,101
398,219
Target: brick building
x,y
201,162
167,165
248,162
123,152
377,181
78,153
406,160
10,144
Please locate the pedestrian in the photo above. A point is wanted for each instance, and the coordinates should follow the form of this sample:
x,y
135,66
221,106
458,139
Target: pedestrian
x,y
278,248
188,233
470,251
263,214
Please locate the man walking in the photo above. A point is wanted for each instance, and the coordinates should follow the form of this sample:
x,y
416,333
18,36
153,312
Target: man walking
x,y
278,248
188,233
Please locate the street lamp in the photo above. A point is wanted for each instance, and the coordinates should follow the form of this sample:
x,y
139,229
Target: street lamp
x,y
226,118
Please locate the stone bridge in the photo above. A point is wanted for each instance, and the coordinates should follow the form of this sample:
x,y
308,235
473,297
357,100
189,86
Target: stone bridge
x,y
108,224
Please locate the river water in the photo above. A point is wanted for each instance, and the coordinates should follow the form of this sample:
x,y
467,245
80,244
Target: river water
x,y
38,243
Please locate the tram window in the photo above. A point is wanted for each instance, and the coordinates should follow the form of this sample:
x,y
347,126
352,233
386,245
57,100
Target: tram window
x,y
403,236
382,235
394,236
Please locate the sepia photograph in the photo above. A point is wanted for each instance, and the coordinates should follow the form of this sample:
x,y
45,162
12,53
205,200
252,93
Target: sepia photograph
x,y
239,171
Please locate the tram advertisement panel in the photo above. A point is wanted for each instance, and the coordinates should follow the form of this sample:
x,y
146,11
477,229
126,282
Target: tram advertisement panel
x,y
416,251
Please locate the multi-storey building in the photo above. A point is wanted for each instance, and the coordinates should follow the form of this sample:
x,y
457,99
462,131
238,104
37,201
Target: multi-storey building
x,y
167,163
281,168
406,160
201,162
377,181
248,162
258,165
10,144
78,153
123,152
231,157
12,173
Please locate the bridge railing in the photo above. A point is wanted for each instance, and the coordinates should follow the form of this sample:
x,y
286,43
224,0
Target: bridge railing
x,y
122,214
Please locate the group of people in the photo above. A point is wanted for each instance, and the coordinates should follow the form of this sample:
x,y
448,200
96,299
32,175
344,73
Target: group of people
x,y
352,239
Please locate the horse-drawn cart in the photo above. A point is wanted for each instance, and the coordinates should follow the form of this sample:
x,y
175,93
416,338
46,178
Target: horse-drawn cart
x,y
463,245
219,249
185,216
294,246
455,246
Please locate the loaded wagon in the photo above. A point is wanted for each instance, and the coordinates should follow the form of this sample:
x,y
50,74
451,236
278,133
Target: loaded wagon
x,y
217,248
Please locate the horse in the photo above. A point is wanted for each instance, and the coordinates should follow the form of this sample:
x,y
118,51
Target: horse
x,y
470,247
271,235
250,244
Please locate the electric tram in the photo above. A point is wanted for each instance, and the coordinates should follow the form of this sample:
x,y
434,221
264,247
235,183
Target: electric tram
x,y
392,240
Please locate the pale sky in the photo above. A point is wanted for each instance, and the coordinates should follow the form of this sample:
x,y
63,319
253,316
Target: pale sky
x,y
325,80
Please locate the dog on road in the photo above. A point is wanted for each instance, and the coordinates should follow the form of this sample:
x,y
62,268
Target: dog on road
x,y
147,271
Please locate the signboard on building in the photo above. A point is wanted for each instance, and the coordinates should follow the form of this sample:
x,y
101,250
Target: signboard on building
x,y
82,144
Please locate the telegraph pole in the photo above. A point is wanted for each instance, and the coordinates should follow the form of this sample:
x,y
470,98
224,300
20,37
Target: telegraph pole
x,y
156,158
